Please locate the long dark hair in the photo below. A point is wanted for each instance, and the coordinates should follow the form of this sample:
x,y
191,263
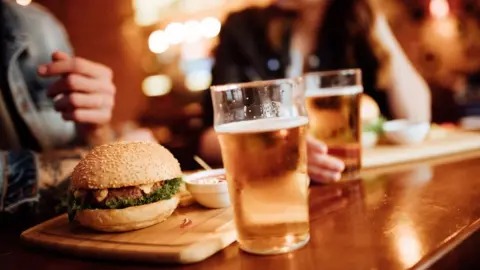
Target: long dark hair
x,y
347,37
347,40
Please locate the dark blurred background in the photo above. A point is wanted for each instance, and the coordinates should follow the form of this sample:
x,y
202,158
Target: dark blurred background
x,y
160,53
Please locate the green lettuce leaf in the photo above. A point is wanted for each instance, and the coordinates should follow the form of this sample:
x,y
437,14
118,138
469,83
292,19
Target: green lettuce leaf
x,y
374,126
169,188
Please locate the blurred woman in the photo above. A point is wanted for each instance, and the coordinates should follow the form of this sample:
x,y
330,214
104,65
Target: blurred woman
x,y
292,37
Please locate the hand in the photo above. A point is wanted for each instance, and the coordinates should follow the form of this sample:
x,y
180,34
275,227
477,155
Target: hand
x,y
85,93
322,168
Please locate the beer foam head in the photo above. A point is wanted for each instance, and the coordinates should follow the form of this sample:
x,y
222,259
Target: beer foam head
x,y
262,125
334,91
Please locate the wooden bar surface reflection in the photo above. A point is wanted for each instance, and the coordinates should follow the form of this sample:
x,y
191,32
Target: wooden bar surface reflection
x,y
396,218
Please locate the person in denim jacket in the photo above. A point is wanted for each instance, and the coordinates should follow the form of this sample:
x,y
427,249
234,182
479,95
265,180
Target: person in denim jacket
x,y
49,99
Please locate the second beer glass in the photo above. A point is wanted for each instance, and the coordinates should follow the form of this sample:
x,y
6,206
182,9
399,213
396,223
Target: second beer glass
x,y
333,105
262,131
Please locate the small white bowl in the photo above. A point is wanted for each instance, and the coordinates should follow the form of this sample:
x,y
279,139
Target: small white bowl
x,y
211,195
406,132
369,139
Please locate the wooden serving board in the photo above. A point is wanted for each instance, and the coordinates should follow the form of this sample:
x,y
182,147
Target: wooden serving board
x,y
453,142
167,242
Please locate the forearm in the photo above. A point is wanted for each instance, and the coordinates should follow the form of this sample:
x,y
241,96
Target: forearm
x,y
408,94
210,147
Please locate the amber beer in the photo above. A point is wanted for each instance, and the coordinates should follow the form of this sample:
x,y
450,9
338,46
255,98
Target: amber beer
x,y
335,120
266,165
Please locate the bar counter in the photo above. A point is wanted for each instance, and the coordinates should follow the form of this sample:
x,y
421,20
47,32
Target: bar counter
x,y
413,216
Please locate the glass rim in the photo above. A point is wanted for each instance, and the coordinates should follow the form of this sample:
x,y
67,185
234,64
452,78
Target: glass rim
x,y
263,83
349,71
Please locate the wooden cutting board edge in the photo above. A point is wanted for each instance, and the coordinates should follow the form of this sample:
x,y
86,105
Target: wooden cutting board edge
x,y
34,238
372,161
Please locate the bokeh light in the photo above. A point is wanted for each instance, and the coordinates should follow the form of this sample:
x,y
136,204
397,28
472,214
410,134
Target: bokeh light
x,y
193,31
156,85
175,32
158,42
210,27
439,8
24,2
198,80
147,12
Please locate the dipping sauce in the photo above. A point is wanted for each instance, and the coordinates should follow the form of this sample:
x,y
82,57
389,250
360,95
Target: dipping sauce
x,y
209,188
213,179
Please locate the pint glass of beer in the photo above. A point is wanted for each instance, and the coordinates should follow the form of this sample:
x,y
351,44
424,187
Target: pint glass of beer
x,y
333,104
262,131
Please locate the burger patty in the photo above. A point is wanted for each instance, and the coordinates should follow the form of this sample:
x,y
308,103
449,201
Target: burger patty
x,y
118,198
124,193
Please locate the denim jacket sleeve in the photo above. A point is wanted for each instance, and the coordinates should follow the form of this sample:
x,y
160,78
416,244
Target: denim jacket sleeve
x,y
18,179
34,34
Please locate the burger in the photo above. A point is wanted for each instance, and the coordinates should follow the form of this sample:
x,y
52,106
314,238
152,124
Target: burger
x,y
372,121
124,186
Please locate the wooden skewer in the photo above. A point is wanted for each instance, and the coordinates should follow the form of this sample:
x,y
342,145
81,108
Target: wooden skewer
x,y
202,163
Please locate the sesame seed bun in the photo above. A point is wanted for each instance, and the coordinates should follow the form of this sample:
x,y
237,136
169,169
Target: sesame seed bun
x,y
127,219
123,164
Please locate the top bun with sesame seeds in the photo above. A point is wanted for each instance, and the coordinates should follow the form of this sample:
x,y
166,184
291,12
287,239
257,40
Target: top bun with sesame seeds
x,y
124,186
123,164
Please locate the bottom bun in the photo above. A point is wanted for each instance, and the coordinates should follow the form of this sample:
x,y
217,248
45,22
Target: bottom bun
x,y
127,219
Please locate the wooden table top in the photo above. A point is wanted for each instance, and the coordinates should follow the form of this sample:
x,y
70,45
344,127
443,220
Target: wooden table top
x,y
401,217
